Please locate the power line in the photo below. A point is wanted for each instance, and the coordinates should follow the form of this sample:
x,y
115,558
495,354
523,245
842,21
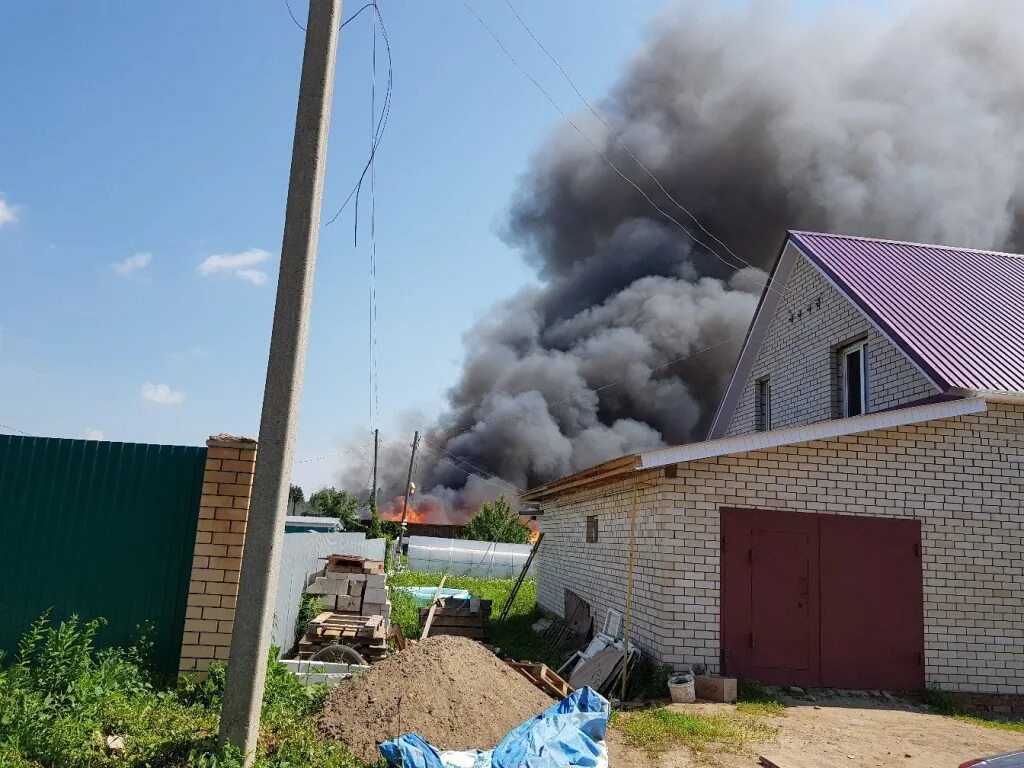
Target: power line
x,y
618,137
294,20
15,429
466,472
381,125
385,111
469,464
480,472
604,155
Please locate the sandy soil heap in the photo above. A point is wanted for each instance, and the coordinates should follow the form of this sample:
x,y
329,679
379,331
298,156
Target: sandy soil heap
x,y
450,690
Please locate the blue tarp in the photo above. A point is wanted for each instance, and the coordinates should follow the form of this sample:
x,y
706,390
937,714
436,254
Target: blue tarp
x,y
570,733
424,595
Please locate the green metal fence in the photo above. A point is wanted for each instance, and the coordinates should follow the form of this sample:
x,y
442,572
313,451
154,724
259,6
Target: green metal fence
x,y
98,529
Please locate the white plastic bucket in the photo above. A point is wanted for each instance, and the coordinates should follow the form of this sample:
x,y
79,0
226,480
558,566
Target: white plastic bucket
x,y
681,689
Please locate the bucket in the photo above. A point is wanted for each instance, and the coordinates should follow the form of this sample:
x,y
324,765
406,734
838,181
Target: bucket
x,y
680,687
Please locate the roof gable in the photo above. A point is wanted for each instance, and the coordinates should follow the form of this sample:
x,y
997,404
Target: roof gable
x,y
957,313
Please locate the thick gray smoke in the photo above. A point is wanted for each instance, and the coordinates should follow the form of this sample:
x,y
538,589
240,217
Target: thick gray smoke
x,y
909,126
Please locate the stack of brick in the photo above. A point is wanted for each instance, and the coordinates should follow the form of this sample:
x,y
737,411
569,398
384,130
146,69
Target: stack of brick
x,y
353,586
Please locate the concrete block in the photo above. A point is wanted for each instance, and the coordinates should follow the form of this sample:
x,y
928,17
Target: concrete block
x,y
355,589
375,580
715,688
318,587
375,595
377,609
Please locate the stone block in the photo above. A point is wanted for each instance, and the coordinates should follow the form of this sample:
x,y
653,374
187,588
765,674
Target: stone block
x,y
345,603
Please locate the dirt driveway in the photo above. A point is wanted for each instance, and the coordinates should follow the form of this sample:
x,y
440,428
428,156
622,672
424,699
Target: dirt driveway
x,y
844,732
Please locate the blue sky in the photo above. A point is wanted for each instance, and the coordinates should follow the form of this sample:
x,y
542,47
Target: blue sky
x,y
143,172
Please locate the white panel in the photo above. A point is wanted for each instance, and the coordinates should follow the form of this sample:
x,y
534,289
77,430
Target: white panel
x,y
300,558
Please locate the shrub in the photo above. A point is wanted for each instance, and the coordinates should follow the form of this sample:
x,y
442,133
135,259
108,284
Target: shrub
x,y
60,697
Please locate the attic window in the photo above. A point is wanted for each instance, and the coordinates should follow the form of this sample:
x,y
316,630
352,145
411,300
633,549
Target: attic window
x,y
854,378
591,529
764,405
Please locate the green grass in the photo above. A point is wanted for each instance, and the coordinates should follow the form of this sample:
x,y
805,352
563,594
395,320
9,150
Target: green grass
x,y
659,729
60,697
945,703
514,636
753,699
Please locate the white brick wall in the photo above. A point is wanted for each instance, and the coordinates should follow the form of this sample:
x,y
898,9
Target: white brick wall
x,y
800,358
961,477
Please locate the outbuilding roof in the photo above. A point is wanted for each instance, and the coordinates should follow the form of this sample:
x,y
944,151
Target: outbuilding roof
x,y
957,313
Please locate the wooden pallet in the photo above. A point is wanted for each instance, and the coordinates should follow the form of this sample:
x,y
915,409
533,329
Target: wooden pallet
x,y
364,633
542,676
353,564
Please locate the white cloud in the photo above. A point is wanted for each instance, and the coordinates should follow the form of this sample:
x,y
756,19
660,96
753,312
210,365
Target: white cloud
x,y
133,264
8,213
237,265
254,276
94,434
162,394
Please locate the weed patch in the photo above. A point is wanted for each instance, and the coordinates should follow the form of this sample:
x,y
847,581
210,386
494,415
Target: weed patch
x,y
945,703
753,699
660,728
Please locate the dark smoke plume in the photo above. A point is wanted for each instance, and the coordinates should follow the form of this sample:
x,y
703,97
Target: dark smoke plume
x,y
907,127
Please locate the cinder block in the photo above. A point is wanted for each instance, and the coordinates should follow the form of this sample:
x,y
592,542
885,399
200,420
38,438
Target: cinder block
x,y
715,688
355,589
376,580
330,602
345,603
375,595
318,587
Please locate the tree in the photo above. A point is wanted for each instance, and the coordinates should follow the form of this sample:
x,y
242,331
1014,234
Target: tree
x,y
330,502
295,493
497,521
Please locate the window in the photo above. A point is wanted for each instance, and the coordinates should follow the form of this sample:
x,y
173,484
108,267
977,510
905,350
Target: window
x,y
764,405
591,529
853,374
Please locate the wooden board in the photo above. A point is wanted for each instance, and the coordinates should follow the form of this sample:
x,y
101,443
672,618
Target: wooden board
x,y
774,760
543,677
596,670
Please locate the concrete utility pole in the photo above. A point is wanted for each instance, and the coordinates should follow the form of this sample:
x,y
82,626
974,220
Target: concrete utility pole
x,y
257,588
396,556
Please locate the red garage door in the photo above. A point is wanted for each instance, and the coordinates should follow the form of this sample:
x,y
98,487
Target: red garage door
x,y
822,600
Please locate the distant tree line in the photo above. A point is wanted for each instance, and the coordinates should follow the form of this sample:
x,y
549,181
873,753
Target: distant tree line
x,y
496,520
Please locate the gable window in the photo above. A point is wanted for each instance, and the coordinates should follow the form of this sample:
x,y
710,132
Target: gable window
x,y
591,529
764,405
853,373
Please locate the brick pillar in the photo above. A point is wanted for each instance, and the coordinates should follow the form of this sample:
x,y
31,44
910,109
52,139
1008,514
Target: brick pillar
x,y
217,560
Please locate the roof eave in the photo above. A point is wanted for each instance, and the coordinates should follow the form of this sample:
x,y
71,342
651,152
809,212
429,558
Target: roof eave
x,y
599,474
820,430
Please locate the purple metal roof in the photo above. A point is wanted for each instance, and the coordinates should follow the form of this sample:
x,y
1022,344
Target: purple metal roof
x,y
958,313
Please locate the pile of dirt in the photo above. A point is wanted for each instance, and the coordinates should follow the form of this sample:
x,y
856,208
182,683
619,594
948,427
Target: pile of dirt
x,y
450,690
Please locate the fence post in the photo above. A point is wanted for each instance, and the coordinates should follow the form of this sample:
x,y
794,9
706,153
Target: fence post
x,y
217,560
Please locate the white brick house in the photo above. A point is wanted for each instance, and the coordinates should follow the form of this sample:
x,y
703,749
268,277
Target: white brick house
x,y
854,519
